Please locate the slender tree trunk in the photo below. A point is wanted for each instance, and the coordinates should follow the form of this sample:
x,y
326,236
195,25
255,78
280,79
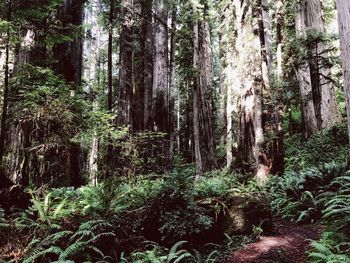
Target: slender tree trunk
x,y
279,40
126,64
343,7
172,79
3,128
147,63
203,124
229,126
278,141
109,92
110,59
266,25
95,43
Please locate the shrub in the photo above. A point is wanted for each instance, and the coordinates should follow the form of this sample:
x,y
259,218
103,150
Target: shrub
x,y
327,146
302,195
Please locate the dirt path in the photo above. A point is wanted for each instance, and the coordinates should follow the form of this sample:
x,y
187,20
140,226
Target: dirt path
x,y
287,245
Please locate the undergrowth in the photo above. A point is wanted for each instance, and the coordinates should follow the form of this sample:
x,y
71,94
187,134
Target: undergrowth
x,y
114,221
315,189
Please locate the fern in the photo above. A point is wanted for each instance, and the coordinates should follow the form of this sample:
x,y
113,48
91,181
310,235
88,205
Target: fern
x,y
72,250
38,253
328,249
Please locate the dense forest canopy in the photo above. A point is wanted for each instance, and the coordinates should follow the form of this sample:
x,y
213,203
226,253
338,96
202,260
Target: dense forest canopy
x,y
128,126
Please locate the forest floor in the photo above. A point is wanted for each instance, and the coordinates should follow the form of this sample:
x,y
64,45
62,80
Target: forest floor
x,y
287,244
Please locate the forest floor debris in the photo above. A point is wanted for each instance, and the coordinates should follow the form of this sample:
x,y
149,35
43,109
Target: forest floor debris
x,y
288,244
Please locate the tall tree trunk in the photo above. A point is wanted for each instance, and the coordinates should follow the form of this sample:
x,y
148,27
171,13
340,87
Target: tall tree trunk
x,y
69,54
304,79
110,54
70,58
126,64
147,63
278,141
229,79
3,128
161,94
110,86
314,77
94,47
250,44
203,121
324,96
343,7
172,79
264,160
279,40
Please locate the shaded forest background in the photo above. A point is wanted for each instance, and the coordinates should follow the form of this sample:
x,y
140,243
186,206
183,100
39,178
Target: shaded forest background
x,y
168,120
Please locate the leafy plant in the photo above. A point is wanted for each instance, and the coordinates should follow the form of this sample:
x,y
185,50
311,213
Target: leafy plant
x,y
157,254
332,248
67,245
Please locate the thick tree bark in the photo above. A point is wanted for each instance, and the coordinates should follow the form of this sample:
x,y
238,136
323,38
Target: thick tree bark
x,y
343,7
126,65
250,43
304,80
69,54
324,96
319,103
203,120
161,93
160,107
70,58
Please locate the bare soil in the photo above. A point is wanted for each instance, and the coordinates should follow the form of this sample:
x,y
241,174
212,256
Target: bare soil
x,y
288,244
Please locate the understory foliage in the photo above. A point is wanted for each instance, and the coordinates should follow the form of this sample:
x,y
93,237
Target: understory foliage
x,y
115,219
149,218
317,192
330,145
